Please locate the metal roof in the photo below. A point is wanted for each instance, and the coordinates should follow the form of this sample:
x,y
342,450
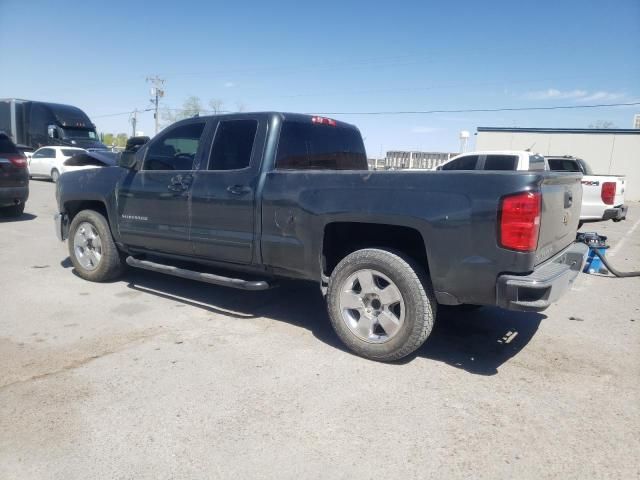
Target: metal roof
x,y
592,131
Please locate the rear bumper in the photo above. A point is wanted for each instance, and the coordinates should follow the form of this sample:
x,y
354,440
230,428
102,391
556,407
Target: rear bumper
x,y
616,214
61,222
548,282
13,195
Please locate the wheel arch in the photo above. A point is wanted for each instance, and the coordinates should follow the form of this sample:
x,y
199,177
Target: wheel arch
x,y
344,237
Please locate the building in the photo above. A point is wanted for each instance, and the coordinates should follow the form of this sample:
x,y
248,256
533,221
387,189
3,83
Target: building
x,y
636,120
609,151
415,160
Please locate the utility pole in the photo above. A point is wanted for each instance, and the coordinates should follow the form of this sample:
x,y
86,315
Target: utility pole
x,y
134,122
157,92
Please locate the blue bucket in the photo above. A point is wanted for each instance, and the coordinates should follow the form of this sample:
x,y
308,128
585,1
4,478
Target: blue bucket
x,y
593,263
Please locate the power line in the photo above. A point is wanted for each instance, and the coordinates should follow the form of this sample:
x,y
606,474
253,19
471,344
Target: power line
x,y
480,110
411,112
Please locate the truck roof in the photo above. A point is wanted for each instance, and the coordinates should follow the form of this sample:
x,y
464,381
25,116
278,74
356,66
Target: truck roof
x,y
294,117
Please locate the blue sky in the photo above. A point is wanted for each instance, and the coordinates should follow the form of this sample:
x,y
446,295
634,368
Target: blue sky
x,y
326,56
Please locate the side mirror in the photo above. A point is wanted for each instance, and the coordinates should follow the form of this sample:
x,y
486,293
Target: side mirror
x,y
52,131
127,160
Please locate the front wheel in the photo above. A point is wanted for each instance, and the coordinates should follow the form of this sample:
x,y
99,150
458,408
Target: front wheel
x,y
92,249
381,304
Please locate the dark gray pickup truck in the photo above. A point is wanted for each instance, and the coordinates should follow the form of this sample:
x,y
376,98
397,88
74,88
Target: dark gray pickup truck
x,y
273,195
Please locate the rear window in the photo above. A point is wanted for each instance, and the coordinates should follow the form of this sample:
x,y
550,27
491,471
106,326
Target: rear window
x,y
563,165
6,145
309,146
500,162
536,163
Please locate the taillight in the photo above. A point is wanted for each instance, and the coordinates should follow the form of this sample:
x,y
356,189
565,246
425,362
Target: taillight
x,y
520,221
608,192
19,161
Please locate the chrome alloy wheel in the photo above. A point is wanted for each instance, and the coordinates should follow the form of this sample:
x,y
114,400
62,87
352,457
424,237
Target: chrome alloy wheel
x,y
87,246
372,306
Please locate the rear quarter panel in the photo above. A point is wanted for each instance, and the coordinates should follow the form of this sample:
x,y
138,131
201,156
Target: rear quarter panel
x,y
454,212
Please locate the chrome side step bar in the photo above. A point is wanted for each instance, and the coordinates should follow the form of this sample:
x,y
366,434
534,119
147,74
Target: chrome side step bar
x,y
198,276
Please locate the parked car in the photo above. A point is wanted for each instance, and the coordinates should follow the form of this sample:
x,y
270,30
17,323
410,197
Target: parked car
x,y
273,195
603,195
48,162
14,178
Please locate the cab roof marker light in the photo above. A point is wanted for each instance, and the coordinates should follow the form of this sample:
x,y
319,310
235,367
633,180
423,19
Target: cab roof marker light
x,y
324,121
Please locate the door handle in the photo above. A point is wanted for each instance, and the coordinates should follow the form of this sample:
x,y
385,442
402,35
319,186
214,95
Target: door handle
x,y
238,189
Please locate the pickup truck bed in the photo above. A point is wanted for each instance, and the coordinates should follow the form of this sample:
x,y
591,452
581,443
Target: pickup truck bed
x,y
385,247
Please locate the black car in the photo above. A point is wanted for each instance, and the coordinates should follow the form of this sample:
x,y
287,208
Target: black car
x,y
14,178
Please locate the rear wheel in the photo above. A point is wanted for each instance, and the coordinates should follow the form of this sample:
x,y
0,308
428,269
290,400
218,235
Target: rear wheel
x,y
55,175
92,249
381,304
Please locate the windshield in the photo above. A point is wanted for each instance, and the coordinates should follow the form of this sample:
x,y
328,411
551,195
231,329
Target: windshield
x,y
80,133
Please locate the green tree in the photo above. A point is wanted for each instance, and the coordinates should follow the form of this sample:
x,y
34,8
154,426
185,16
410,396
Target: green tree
x,y
191,107
121,140
107,138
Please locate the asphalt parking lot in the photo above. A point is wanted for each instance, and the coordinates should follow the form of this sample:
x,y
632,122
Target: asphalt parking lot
x,y
160,378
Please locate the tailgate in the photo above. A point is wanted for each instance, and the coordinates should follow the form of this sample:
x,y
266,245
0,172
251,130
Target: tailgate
x,y
561,203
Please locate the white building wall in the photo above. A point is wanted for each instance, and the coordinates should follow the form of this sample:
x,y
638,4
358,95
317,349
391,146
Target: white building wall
x,y
608,154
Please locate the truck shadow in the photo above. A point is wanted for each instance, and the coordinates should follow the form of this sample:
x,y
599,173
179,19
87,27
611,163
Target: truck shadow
x,y
477,341
25,217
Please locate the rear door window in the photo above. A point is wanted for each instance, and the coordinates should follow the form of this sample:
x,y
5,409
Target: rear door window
x,y
467,162
501,162
233,145
309,146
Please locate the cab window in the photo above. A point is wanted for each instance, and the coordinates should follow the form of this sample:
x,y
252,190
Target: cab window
x,y
467,162
501,162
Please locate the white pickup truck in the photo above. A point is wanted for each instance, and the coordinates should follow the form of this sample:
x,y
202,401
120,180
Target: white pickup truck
x,y
602,195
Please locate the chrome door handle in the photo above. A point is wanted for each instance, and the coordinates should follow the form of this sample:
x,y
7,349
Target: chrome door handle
x,y
238,189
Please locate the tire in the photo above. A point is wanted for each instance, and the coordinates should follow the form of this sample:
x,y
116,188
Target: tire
x,y
94,260
55,175
14,210
390,330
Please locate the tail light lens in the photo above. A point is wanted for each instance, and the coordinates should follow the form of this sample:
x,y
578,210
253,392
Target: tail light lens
x,y
520,221
608,192
19,161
